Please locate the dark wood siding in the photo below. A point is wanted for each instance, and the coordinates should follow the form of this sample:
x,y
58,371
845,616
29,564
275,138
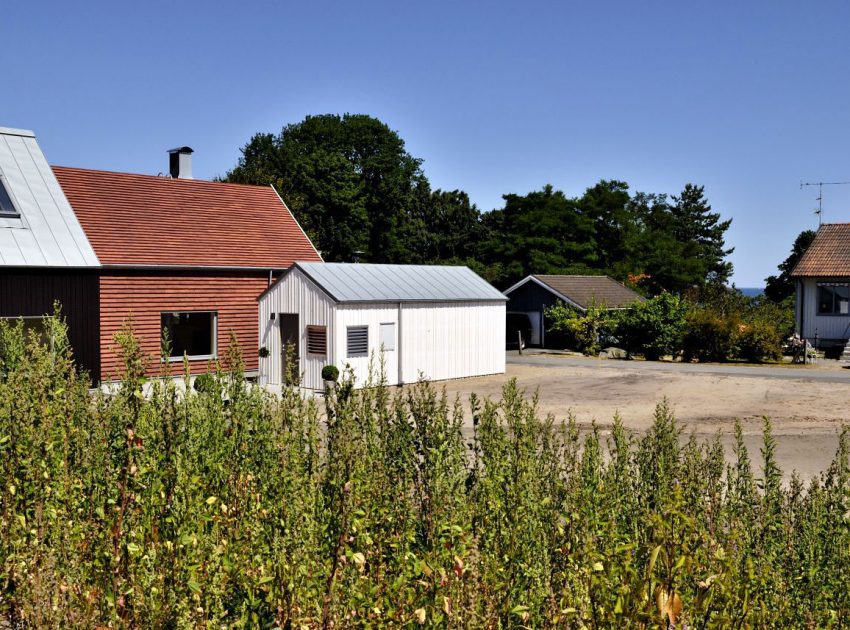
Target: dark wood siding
x,y
32,292
147,294
532,297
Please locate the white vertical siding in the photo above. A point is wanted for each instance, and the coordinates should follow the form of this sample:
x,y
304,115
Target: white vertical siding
x,y
295,294
371,315
452,340
825,326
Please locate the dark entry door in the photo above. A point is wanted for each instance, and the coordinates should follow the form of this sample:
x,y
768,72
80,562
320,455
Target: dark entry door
x,y
289,346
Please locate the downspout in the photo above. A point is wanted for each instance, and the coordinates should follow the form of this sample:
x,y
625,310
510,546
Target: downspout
x,y
398,346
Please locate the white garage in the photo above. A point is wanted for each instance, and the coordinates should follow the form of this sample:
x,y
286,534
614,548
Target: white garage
x,y
436,321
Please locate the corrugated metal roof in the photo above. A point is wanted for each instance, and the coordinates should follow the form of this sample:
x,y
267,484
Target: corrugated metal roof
x,y
144,220
47,233
828,255
361,282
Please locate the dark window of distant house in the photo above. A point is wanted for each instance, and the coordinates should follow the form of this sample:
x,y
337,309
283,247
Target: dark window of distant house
x,y
833,298
192,334
7,208
317,340
357,341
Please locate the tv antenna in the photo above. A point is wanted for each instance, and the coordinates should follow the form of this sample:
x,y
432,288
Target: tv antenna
x,y
820,186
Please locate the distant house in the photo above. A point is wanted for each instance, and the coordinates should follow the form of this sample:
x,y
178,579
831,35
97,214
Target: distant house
x,y
822,278
179,255
439,322
533,294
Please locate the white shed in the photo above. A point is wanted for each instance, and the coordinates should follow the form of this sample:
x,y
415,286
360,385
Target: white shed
x,y
436,321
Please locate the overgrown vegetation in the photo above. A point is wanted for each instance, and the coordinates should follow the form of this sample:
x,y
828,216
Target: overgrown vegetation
x,y
229,507
714,324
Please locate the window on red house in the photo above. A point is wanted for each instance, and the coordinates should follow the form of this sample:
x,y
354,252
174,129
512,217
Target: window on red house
x,y
191,333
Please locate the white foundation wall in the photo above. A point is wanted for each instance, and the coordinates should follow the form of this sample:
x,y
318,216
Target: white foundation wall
x,y
295,293
371,315
445,340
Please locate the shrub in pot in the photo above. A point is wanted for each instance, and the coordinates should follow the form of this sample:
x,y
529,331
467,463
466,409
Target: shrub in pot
x,y
330,373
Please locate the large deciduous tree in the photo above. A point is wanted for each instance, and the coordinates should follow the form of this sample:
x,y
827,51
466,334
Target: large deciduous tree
x,y
348,180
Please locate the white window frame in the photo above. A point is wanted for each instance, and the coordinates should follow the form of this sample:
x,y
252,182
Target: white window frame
x,y
194,357
831,313
383,326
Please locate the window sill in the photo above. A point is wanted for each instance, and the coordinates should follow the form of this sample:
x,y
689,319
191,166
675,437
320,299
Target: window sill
x,y
203,357
10,215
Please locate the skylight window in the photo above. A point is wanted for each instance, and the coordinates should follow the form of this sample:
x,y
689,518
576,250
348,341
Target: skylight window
x,y
7,208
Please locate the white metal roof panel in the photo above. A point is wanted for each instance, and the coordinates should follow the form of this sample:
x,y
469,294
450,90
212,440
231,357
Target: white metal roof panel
x,y
47,233
364,282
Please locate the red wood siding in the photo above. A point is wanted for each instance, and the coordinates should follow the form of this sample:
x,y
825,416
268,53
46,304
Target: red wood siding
x,y
32,292
146,295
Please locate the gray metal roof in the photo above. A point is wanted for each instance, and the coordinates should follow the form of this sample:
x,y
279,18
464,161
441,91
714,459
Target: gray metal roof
x,y
362,282
47,232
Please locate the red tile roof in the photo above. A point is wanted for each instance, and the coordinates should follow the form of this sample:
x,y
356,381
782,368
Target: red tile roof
x,y
829,253
148,220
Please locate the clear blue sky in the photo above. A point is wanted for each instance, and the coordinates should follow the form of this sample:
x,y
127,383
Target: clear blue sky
x,y
746,98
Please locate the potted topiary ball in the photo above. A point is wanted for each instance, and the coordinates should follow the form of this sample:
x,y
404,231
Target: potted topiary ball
x,y
329,374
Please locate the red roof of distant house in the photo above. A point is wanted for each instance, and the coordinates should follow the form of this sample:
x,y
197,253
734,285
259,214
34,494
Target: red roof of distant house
x,y
158,221
829,253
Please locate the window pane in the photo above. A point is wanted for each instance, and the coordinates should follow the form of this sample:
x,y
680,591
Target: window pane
x,y
825,300
842,298
190,333
6,206
388,336
317,340
358,341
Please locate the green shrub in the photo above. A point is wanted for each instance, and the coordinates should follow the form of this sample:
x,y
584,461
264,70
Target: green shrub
x,y
330,373
586,331
759,341
708,336
206,384
653,328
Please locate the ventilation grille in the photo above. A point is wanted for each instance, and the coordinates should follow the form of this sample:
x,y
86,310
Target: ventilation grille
x,y
317,340
358,341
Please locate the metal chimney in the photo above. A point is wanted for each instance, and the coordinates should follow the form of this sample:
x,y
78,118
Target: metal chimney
x,y
180,162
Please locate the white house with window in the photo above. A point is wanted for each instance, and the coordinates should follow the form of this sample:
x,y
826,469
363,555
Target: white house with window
x,y
822,278
438,322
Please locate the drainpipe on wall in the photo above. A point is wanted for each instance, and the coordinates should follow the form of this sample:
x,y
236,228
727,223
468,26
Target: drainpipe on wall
x,y
398,345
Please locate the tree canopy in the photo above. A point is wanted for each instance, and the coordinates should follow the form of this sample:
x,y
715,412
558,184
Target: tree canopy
x,y
360,195
779,287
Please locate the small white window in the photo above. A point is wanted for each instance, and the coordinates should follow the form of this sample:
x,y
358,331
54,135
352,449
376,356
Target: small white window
x,y
388,336
358,341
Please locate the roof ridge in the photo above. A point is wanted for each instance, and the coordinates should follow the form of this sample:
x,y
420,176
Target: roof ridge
x,y
156,177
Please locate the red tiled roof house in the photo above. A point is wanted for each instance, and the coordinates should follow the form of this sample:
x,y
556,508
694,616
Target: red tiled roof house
x,y
822,278
173,253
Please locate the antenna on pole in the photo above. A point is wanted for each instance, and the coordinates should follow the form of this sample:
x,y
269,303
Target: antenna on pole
x,y
820,186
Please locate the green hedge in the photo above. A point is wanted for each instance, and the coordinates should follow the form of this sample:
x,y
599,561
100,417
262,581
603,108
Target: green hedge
x,y
178,509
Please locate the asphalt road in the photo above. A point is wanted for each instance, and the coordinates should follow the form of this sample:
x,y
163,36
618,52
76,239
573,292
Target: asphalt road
x,y
825,372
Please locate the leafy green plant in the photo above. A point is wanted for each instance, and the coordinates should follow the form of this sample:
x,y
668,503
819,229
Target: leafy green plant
x,y
586,330
708,336
759,341
654,328
330,373
160,506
